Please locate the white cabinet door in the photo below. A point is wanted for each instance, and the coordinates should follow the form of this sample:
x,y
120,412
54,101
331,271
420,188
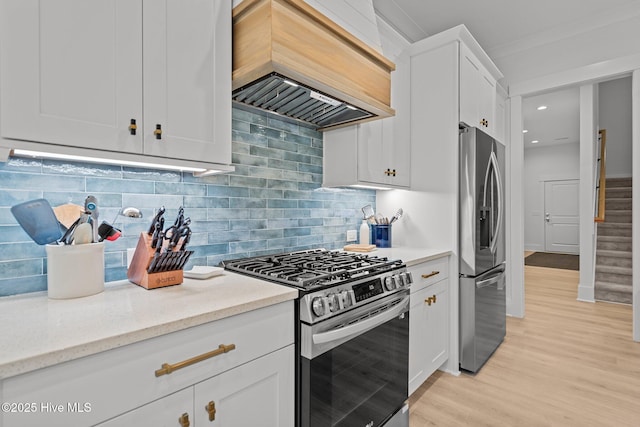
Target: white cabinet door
x,y
71,72
477,93
258,393
438,349
187,79
371,159
170,411
428,332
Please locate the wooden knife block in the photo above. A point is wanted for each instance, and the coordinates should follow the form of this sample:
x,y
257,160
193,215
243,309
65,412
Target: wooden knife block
x,y
137,272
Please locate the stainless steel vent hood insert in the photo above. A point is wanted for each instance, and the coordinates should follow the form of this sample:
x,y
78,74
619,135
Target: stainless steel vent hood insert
x,y
290,59
280,95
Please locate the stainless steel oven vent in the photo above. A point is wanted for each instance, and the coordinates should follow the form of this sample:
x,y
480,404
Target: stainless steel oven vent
x,y
277,94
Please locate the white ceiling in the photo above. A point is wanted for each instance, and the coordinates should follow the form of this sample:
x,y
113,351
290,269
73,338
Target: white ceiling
x,y
500,26
496,23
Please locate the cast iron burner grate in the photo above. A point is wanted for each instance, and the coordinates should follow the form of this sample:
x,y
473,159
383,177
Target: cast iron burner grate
x,y
312,269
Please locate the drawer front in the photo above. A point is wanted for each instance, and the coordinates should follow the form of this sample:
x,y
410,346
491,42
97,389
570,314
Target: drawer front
x,y
121,379
428,273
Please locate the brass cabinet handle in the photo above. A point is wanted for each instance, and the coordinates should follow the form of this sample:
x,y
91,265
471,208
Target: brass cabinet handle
x,y
484,122
167,368
428,301
158,131
184,420
133,127
211,410
433,273
434,299
390,172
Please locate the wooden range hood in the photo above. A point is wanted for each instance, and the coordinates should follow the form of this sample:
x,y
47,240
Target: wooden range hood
x,y
290,59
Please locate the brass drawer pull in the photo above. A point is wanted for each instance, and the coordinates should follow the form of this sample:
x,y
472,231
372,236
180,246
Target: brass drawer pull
x,y
433,273
158,131
167,368
133,127
430,300
211,410
184,420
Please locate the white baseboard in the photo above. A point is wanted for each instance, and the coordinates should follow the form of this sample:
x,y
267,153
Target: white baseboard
x,y
586,294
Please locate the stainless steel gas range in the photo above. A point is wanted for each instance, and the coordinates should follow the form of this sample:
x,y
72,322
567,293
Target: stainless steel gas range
x,y
352,330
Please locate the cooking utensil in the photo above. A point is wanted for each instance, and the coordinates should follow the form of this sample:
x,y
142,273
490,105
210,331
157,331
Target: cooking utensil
x,y
68,213
91,208
368,212
397,216
129,212
83,234
108,232
37,219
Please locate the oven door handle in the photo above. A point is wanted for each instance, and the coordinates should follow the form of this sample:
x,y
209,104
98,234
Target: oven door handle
x,y
361,326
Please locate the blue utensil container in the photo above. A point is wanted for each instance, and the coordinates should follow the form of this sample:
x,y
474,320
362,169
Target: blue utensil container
x,y
381,235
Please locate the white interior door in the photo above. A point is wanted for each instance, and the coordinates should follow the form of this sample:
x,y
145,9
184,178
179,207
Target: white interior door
x,y
561,216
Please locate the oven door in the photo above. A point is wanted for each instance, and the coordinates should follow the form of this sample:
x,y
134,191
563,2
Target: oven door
x,y
354,367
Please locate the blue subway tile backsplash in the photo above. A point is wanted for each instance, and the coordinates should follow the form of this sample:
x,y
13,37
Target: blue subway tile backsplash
x,y
272,203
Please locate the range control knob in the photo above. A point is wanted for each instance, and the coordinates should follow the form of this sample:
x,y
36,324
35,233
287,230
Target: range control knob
x,y
400,280
408,279
346,299
318,307
334,302
389,283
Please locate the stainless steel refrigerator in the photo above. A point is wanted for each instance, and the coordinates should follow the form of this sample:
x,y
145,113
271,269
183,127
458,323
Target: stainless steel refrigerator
x,y
481,247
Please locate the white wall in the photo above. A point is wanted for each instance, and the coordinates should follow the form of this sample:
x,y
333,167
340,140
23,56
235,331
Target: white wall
x,y
356,16
615,117
560,161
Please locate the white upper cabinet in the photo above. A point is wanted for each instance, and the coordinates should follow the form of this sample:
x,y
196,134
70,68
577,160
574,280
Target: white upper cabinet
x,y
477,93
187,79
77,73
71,72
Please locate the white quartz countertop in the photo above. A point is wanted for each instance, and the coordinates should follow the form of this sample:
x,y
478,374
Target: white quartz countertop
x,y
36,332
410,256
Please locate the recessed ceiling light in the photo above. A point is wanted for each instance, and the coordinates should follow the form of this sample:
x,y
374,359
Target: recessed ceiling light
x,y
542,107
535,141
524,131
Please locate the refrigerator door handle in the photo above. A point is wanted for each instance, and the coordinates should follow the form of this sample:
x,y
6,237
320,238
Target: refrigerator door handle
x,y
490,281
496,170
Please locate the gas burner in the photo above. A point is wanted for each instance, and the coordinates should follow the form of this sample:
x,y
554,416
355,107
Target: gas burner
x,y
312,269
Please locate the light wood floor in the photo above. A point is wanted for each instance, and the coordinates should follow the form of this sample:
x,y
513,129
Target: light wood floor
x,y
567,363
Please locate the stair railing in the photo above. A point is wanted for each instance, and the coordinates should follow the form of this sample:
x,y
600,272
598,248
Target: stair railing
x,y
601,176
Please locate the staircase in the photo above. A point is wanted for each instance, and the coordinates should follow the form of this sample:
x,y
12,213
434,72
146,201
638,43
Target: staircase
x,y
613,250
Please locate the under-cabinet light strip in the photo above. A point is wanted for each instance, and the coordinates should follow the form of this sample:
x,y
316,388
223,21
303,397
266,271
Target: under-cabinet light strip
x,y
58,156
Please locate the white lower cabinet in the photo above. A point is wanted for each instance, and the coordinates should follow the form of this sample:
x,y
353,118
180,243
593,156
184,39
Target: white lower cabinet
x,y
258,393
243,363
429,326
